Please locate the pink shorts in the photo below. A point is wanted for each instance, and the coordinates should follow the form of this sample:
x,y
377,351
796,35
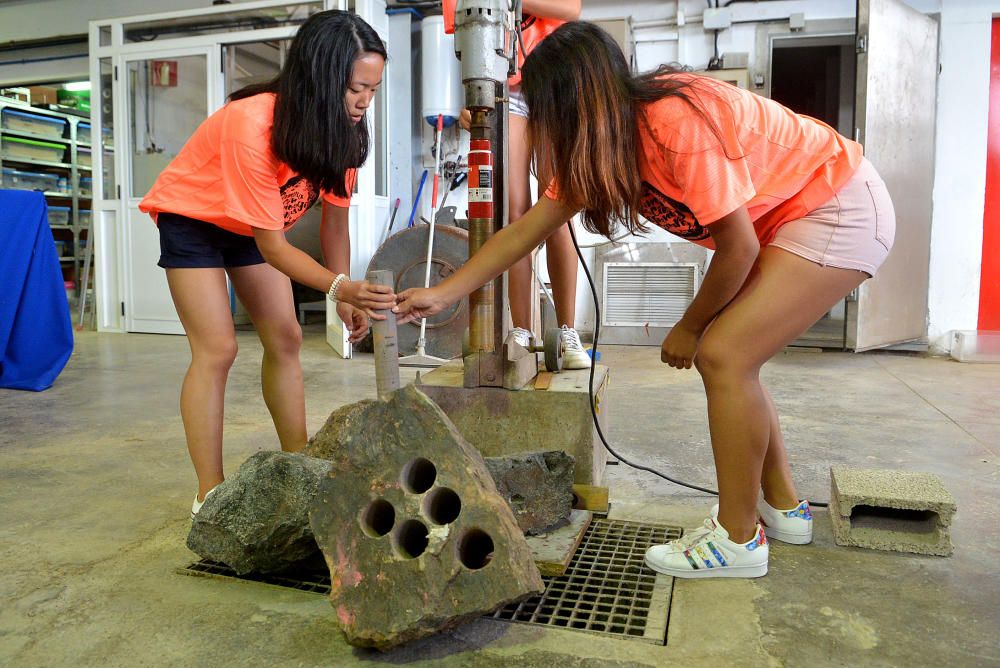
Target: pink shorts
x,y
853,230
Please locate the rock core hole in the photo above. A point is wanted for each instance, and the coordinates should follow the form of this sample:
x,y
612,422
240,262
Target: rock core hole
x,y
378,518
442,506
475,550
411,539
419,476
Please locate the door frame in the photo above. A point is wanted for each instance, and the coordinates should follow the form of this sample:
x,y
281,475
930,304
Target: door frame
x,y
113,298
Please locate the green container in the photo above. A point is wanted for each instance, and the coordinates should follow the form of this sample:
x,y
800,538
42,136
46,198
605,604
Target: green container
x,y
15,147
78,99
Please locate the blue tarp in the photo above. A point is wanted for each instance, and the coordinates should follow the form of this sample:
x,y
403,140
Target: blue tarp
x,y
36,331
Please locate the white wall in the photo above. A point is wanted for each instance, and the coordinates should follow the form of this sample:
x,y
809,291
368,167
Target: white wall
x,y
960,170
26,20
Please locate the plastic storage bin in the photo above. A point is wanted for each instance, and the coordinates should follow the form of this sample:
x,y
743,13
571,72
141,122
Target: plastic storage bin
x,y
19,180
83,157
84,217
976,346
59,215
29,149
83,132
60,247
86,186
42,126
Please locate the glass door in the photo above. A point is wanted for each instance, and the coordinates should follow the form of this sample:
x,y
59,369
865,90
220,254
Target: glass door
x,y
167,94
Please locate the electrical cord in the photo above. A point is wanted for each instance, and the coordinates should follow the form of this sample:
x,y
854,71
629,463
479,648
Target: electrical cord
x,y
593,402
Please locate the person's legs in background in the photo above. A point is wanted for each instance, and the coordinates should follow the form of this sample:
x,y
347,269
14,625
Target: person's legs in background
x,y
559,252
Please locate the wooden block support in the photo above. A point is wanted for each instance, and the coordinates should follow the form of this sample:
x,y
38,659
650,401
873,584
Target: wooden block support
x,y
590,497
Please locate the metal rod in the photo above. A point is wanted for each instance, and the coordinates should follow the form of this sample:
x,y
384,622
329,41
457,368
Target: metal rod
x,y
386,344
482,300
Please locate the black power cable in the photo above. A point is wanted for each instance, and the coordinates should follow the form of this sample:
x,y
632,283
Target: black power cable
x,y
593,368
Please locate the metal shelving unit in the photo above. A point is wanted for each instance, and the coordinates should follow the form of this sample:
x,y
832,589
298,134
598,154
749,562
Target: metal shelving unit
x,y
72,170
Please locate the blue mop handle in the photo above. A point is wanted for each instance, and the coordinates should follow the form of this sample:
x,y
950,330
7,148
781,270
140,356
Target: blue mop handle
x,y
416,201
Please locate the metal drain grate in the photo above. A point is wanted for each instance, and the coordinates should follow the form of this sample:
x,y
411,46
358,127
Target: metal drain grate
x,y
606,589
317,582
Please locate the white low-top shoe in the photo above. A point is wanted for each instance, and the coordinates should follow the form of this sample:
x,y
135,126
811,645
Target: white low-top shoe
x,y
574,354
707,552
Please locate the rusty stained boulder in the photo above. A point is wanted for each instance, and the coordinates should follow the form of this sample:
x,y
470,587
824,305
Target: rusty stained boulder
x,y
538,486
416,536
257,521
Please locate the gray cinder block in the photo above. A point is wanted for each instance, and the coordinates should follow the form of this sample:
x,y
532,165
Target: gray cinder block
x,y
891,510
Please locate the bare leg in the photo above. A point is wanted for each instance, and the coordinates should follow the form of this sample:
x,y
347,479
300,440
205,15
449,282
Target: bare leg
x,y
267,295
202,301
780,300
561,259
519,201
776,476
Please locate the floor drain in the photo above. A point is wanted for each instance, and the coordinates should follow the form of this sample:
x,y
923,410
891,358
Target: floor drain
x,y
606,589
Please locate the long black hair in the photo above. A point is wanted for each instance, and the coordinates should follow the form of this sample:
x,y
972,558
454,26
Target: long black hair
x,y
584,110
312,132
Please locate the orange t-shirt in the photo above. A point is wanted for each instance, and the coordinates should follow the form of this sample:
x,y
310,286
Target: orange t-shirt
x,y
778,164
227,175
533,30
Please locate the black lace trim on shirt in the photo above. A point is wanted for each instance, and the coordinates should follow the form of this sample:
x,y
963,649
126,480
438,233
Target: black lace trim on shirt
x,y
298,195
671,215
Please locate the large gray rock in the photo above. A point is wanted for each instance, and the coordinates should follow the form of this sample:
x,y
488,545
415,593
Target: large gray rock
x,y
538,486
258,520
415,534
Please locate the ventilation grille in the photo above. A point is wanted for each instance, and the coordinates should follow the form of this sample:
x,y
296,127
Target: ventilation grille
x,y
653,294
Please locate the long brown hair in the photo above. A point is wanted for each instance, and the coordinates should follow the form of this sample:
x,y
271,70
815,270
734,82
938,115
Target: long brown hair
x,y
582,102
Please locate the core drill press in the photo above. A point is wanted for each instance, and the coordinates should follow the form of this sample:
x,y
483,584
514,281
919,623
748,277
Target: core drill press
x,y
486,43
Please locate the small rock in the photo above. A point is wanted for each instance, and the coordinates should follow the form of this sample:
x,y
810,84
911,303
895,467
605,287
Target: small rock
x,y
538,486
257,521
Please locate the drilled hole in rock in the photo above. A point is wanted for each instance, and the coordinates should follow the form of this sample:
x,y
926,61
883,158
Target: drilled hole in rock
x,y
411,539
475,549
442,506
378,518
419,476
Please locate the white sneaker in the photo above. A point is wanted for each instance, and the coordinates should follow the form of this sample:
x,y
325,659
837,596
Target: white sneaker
x,y
196,505
574,356
793,526
522,337
707,552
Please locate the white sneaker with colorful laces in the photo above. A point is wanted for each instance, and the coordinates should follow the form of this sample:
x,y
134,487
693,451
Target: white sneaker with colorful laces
x,y
793,526
707,552
574,354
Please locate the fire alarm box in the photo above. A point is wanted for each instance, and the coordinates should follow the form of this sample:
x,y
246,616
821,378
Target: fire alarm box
x,y
164,72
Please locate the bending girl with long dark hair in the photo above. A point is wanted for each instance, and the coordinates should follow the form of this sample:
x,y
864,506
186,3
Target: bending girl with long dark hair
x,y
246,175
797,218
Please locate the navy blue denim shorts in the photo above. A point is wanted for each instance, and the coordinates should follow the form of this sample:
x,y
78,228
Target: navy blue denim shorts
x,y
187,243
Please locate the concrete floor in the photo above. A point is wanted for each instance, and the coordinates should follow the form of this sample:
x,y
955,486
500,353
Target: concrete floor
x,y
95,487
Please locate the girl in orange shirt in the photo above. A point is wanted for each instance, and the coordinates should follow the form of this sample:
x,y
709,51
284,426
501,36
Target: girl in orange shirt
x,y
797,218
246,175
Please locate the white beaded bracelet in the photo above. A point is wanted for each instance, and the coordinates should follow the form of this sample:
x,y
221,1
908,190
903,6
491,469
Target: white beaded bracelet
x,y
332,292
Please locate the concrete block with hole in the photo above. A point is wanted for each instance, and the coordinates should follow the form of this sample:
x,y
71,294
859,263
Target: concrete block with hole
x,y
900,511
415,534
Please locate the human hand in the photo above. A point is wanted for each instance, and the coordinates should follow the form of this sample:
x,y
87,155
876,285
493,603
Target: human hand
x,y
354,319
417,303
679,347
465,120
367,296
